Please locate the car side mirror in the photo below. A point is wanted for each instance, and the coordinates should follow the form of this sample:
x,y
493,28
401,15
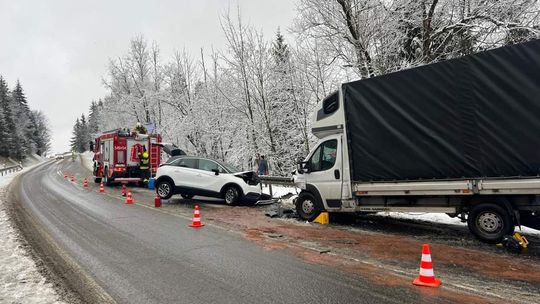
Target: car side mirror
x,y
216,171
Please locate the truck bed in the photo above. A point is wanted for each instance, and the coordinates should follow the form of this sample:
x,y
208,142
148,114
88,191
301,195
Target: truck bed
x,y
521,186
475,117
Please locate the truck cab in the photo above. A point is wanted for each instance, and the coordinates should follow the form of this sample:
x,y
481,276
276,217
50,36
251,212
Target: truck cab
x,y
324,175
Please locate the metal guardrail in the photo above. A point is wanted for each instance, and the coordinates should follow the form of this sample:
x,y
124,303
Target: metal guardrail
x,y
11,169
275,180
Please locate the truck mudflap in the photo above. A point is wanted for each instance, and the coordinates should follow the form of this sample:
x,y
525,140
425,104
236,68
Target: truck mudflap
x,y
530,220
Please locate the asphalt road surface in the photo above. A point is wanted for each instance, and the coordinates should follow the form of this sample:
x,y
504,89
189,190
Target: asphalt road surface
x,y
137,254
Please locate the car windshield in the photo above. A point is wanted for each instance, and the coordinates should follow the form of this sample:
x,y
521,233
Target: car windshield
x,y
230,168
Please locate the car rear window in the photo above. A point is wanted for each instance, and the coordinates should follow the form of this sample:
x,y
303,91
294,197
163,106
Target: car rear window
x,y
187,163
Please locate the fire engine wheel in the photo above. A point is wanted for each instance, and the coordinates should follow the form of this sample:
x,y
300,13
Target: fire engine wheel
x,y
97,180
106,180
105,176
164,189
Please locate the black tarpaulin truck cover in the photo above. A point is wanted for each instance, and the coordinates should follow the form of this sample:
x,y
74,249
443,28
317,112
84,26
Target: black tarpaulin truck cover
x,y
472,117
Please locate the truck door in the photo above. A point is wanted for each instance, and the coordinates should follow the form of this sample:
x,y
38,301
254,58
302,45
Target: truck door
x,y
325,170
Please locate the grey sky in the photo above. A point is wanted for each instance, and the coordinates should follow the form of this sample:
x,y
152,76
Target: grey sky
x,y
60,49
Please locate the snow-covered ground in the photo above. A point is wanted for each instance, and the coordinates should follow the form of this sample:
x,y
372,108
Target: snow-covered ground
x,y
20,280
87,160
440,218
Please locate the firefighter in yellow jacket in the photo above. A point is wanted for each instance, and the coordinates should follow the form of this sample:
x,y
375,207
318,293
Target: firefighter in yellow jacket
x,y
143,166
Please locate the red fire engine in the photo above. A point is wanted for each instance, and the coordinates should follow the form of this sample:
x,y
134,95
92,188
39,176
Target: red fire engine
x,y
116,156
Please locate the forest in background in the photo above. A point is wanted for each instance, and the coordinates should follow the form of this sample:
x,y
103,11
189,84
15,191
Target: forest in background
x,y
23,131
257,94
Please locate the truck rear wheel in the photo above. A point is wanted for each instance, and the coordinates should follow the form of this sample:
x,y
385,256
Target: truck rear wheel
x,y
106,177
307,206
490,222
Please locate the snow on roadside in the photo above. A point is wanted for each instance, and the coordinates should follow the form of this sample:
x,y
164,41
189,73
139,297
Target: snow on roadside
x,y
279,191
87,160
20,280
440,218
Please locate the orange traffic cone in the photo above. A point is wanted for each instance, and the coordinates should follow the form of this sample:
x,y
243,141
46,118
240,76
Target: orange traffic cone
x,y
196,218
85,183
65,175
101,188
72,178
427,276
129,198
123,189
157,201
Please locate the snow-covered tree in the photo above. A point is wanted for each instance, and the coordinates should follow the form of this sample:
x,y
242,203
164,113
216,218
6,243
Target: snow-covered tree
x,y
25,131
257,94
42,135
19,127
379,36
80,140
6,123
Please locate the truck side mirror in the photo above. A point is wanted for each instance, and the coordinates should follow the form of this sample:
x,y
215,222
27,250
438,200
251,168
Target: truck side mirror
x,y
299,168
303,167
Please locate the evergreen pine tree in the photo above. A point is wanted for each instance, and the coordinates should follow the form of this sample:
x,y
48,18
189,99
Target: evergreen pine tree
x,y
24,129
93,119
11,139
280,49
84,135
75,139
4,134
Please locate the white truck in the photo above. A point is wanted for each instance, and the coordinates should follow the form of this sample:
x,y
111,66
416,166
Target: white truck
x,y
460,137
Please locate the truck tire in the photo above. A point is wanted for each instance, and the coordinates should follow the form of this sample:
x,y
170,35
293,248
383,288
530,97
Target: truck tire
x,y
490,222
95,173
106,180
164,189
307,206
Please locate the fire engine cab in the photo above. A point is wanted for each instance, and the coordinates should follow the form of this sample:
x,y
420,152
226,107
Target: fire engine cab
x,y
117,156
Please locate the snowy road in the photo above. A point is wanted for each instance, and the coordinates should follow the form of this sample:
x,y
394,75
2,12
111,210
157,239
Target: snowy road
x,y
139,255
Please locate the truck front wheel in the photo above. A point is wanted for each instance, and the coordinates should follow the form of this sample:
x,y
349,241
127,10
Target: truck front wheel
x,y
490,222
307,206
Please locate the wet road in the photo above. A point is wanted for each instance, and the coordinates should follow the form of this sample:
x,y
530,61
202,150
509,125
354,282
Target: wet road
x,y
140,255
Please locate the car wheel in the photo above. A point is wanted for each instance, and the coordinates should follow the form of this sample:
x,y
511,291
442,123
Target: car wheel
x,y
231,195
307,207
490,222
187,196
164,189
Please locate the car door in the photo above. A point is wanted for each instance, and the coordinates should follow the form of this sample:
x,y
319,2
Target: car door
x,y
184,172
207,178
325,171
